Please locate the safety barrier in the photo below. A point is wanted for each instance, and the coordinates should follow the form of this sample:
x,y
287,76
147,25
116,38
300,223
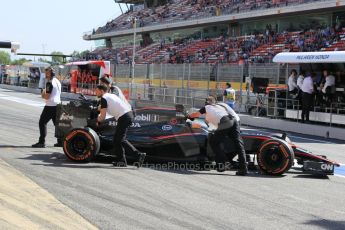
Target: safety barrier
x,y
191,99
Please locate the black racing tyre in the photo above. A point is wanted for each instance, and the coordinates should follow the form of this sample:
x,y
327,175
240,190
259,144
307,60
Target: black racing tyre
x,y
275,157
81,144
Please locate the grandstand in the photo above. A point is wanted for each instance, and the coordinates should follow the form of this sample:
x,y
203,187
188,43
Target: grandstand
x,y
230,31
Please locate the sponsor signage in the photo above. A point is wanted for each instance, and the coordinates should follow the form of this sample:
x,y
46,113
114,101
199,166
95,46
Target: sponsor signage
x,y
147,117
310,57
133,125
166,127
327,167
66,117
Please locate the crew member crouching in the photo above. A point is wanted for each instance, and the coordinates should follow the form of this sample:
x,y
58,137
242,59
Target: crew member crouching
x,y
226,120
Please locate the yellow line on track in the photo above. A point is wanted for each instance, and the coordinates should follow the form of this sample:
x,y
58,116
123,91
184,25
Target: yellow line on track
x,y
25,205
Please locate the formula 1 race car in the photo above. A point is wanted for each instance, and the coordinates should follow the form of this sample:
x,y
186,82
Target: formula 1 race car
x,y
167,136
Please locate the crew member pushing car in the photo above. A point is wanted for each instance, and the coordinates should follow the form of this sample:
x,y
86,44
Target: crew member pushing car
x,y
114,106
52,96
226,121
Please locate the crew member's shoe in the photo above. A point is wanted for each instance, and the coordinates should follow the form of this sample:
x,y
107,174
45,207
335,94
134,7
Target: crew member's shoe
x,y
141,159
38,145
242,171
58,144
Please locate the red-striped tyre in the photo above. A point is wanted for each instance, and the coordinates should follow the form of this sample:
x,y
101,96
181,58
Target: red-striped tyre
x,y
81,144
275,157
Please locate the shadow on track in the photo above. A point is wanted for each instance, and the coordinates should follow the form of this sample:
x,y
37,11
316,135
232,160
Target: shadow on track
x,y
302,175
13,147
327,224
57,159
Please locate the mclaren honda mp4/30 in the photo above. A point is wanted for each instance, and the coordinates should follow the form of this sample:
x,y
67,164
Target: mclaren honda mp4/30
x,y
167,136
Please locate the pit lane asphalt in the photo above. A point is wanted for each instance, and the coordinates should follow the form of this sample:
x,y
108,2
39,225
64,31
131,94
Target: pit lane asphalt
x,y
146,198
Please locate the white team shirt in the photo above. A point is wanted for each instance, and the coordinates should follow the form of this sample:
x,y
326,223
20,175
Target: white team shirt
x,y
115,106
300,81
292,83
230,111
330,81
308,85
55,94
214,113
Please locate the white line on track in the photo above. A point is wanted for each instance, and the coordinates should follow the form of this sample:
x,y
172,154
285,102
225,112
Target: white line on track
x,y
339,175
22,100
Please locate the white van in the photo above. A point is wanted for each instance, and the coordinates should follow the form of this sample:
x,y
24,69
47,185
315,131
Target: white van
x,y
36,72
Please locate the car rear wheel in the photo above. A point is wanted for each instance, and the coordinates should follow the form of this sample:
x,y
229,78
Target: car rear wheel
x,y
275,157
81,144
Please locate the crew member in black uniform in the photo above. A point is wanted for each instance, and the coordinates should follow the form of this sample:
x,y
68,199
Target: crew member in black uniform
x,y
122,112
226,122
52,95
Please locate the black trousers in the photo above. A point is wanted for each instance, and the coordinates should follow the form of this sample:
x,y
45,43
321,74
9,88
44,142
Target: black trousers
x,y
293,92
120,142
48,113
307,105
228,127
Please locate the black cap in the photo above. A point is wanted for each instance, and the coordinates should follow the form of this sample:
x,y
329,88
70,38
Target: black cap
x,y
105,80
102,87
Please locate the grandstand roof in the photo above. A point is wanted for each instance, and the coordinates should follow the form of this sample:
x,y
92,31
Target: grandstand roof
x,y
130,1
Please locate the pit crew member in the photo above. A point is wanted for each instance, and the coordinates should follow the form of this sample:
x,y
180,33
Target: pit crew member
x,y
114,106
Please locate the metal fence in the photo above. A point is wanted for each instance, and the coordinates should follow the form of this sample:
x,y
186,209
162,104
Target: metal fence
x,y
276,73
190,84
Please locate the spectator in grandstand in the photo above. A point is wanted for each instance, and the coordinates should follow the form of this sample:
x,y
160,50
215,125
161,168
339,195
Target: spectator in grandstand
x,y
51,94
300,43
292,83
226,121
229,96
307,96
